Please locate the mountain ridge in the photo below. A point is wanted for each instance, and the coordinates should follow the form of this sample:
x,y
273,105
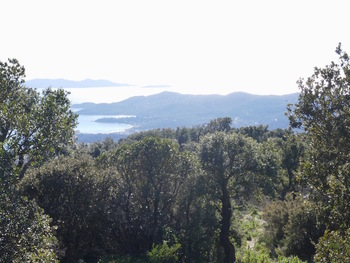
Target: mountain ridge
x,y
171,110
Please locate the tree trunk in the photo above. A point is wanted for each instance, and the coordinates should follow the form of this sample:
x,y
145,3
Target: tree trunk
x,y
155,226
226,213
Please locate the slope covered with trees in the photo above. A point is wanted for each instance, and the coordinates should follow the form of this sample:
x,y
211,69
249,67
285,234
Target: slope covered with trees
x,y
207,193
172,110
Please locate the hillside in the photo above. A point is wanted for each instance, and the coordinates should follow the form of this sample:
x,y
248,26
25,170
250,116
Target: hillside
x,y
171,110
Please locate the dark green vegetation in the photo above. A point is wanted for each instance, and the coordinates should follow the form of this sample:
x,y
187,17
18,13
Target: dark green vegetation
x,y
34,129
207,193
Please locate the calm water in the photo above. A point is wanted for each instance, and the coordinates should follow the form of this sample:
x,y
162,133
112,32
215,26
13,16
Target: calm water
x,y
88,124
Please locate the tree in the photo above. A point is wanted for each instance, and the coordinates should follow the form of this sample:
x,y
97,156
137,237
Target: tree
x,y
279,163
323,111
259,133
152,173
292,152
333,247
292,227
33,127
228,160
195,219
25,232
79,198
97,148
269,158
219,124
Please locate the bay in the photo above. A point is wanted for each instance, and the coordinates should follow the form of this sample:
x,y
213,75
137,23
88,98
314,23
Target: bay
x,y
87,124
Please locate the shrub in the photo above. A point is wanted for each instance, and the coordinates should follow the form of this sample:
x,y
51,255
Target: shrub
x,y
123,259
25,232
252,256
292,259
260,255
164,254
334,246
292,228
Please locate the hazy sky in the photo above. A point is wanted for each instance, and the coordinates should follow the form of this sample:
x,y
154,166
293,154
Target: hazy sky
x,y
259,46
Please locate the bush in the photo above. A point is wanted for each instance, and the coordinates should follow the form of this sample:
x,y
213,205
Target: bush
x,y
164,254
123,259
292,228
260,255
252,256
79,201
161,253
292,259
334,246
25,232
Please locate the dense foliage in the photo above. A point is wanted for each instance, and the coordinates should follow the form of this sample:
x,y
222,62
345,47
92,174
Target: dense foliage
x,y
323,110
33,128
209,193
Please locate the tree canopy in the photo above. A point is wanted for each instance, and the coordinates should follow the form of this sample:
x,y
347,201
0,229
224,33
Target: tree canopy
x,y
208,193
33,128
323,111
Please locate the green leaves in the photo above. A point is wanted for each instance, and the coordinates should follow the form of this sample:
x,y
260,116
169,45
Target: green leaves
x,y
323,110
80,198
153,172
33,127
334,246
228,161
229,158
25,233
164,253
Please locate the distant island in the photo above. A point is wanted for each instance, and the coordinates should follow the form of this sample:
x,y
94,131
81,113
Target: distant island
x,y
65,83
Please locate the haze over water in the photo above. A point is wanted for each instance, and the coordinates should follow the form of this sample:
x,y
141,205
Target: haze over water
x,y
120,93
87,123
110,94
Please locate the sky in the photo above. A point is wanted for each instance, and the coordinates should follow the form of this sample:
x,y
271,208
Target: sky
x,y
196,47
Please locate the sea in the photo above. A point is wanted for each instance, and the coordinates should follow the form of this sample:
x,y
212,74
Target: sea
x,y
87,123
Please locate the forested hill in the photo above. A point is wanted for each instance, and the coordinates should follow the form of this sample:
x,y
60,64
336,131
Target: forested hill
x,y
171,110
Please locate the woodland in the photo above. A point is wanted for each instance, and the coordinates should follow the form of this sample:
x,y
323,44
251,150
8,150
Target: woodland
x,y
207,193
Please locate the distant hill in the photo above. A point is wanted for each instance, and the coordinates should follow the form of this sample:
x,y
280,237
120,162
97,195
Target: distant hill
x,y
65,83
172,110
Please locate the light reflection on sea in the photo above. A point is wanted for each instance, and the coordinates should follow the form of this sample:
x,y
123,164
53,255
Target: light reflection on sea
x,y
88,124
